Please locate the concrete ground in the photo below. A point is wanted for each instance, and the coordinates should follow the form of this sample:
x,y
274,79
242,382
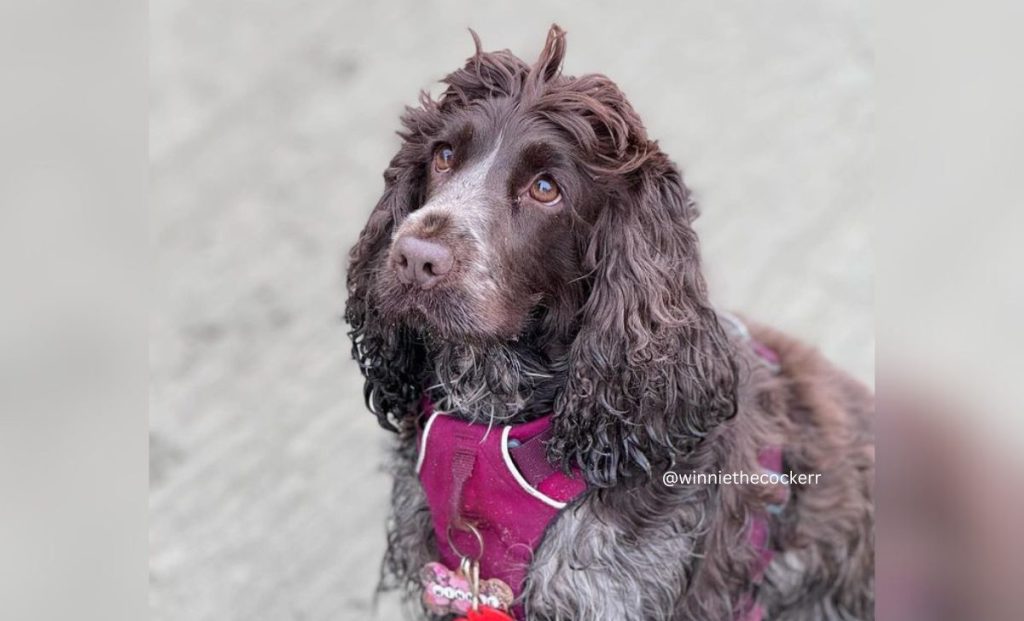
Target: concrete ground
x,y
271,124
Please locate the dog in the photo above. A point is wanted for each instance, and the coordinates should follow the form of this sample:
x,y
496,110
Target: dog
x,y
530,284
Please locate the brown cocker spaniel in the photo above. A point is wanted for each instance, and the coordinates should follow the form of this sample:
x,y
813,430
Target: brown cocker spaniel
x,y
533,259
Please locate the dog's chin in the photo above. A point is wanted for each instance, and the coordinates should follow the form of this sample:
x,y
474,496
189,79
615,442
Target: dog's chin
x,y
448,316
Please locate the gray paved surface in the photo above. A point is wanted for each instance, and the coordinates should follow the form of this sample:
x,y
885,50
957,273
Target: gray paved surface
x,y
271,125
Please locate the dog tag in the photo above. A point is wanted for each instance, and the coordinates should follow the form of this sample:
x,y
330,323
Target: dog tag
x,y
447,592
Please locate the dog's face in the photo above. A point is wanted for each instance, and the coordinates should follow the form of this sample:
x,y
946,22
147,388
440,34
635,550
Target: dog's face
x,y
491,238
533,252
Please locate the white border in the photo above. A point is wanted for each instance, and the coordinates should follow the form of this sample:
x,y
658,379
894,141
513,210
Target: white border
x,y
423,440
551,502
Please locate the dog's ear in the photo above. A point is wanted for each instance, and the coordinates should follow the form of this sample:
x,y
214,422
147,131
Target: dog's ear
x,y
650,369
390,357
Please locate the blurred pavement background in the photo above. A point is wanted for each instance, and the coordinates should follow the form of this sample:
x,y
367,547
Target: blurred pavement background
x,y
271,123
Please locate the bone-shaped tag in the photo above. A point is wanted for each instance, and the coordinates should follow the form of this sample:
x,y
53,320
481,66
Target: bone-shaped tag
x,y
446,591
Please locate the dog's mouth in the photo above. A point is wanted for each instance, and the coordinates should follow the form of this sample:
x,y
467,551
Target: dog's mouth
x,y
452,312
443,312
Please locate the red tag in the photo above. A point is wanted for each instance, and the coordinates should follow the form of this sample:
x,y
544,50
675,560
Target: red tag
x,y
485,614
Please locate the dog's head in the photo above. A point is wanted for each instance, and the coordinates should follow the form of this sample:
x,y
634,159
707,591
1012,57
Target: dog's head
x,y
526,206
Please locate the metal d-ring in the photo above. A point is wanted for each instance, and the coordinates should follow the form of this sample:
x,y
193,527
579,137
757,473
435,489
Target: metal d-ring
x,y
466,527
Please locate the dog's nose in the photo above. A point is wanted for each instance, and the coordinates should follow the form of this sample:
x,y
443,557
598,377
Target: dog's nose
x,y
421,262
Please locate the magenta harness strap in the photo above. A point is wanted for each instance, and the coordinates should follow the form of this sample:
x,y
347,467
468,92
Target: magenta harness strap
x,y
468,473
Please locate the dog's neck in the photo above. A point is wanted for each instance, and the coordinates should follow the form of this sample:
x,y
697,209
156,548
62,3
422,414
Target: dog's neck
x,y
497,382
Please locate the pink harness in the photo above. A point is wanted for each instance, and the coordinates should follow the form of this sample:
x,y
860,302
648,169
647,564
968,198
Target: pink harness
x,y
499,480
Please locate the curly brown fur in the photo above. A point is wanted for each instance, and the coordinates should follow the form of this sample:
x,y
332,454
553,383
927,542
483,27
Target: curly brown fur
x,y
594,307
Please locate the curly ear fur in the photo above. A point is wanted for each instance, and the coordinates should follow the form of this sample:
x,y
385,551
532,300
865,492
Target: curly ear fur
x,y
650,370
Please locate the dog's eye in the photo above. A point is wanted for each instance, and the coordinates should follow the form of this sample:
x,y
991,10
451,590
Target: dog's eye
x,y
444,157
545,190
